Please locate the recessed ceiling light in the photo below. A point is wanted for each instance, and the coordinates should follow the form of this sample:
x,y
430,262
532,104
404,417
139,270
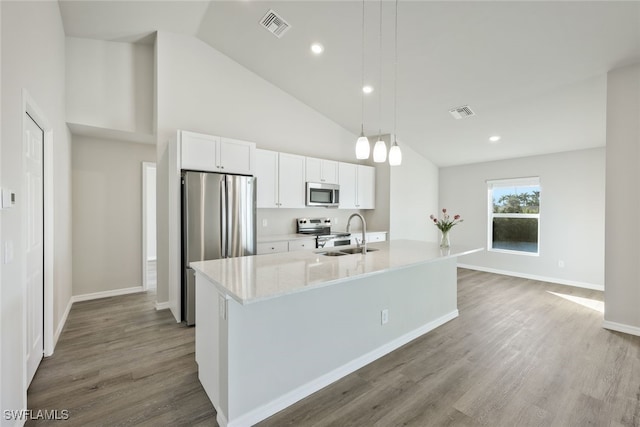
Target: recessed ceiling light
x,y
367,89
317,48
494,138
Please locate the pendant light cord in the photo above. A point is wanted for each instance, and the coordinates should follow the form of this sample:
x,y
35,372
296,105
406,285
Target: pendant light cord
x,y
395,81
362,85
380,83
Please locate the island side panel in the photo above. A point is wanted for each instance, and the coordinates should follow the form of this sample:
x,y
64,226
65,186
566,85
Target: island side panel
x,y
211,342
285,348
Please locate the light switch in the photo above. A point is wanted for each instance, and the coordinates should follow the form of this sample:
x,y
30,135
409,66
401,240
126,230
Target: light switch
x,y
8,198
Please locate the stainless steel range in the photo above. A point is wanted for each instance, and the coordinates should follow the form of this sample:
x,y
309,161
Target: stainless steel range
x,y
321,228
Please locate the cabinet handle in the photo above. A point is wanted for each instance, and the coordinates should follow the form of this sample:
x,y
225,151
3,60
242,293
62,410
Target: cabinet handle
x,y
221,167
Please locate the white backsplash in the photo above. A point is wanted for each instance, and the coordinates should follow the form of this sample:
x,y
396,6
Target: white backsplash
x,y
283,221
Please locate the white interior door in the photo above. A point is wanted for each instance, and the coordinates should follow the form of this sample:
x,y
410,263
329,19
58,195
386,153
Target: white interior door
x,y
34,197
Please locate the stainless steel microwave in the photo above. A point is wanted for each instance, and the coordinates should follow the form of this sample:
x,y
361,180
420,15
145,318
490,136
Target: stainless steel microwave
x,y
320,194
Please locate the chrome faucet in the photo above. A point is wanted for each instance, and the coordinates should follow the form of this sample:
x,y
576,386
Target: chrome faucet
x,y
364,231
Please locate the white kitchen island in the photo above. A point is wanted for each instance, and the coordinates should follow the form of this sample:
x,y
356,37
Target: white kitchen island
x,y
272,329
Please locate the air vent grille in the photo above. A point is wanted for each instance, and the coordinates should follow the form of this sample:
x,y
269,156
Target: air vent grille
x,y
275,24
462,112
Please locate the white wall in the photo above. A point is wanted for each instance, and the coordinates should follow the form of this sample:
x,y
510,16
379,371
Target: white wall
x,y
107,213
572,216
33,58
110,84
202,90
413,197
622,293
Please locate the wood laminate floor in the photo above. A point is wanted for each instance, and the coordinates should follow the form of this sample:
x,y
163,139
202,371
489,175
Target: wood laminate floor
x,y
522,353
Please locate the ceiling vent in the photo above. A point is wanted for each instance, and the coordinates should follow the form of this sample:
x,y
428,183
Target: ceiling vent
x,y
275,24
462,112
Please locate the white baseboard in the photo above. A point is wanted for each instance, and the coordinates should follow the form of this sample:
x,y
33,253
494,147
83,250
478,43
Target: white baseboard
x,y
535,277
621,327
311,387
162,305
63,322
106,294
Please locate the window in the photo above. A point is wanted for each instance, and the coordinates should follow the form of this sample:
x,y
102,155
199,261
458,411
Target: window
x,y
514,215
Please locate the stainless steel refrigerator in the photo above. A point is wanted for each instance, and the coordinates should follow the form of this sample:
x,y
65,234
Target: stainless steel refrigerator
x,y
218,221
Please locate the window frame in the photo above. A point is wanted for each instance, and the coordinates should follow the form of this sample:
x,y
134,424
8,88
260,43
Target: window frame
x,y
508,182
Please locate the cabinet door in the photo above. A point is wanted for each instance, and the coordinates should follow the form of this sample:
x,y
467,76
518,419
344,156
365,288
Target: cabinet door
x,y
366,198
266,172
330,172
272,247
320,170
236,156
291,181
301,244
313,169
198,151
347,174
376,237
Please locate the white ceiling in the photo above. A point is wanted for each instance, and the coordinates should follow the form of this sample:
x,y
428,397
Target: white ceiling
x,y
534,72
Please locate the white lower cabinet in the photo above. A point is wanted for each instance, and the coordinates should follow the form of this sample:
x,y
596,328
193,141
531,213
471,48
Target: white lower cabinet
x,y
286,246
372,237
272,247
299,245
378,236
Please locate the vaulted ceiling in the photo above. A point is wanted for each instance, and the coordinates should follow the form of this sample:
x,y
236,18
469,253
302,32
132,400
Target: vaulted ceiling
x,y
533,72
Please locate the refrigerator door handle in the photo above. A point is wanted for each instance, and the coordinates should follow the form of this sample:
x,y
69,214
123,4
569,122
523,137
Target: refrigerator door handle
x,y
224,201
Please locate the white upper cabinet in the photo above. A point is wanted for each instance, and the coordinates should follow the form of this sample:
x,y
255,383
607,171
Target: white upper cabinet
x,y
357,186
215,154
320,170
281,180
266,172
198,151
366,194
236,156
348,180
291,182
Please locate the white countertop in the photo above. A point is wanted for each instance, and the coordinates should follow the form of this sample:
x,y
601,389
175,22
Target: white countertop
x,y
259,277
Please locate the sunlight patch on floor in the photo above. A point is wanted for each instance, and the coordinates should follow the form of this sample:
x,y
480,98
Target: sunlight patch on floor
x,y
586,302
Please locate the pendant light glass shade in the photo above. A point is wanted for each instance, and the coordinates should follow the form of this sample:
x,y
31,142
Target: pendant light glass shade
x,y
380,151
363,148
395,155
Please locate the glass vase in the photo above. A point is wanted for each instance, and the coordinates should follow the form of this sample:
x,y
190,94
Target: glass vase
x,y
444,242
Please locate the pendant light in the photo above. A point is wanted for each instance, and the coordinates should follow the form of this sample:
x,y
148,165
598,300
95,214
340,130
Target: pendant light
x,y
395,155
380,149
362,144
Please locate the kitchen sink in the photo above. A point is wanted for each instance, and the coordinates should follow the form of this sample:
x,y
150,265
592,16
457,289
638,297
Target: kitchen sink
x,y
332,253
347,251
356,250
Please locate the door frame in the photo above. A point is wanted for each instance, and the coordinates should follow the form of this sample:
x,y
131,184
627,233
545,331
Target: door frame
x,y
29,106
145,189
